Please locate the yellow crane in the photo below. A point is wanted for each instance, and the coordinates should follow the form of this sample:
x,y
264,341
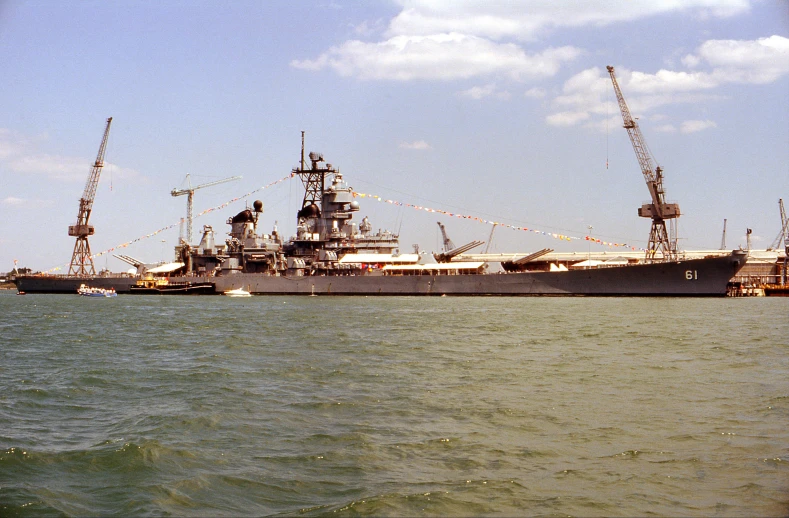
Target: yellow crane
x,y
190,193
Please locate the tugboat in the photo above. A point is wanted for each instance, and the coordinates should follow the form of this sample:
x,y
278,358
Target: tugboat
x,y
151,285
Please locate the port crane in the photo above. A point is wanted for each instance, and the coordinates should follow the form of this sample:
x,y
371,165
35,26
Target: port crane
x,y
81,259
658,210
448,244
782,236
723,236
450,250
190,194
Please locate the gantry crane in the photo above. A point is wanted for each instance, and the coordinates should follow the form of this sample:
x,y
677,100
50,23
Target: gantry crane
x,y
81,260
190,194
658,210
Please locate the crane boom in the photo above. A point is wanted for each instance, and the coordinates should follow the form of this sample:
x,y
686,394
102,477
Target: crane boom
x,y
784,228
81,260
786,241
448,244
658,210
190,193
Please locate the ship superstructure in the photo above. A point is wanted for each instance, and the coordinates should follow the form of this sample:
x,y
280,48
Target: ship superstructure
x,y
325,234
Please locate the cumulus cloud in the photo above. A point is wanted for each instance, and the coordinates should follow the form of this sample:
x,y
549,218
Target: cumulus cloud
x,y
437,56
10,200
367,28
756,61
718,62
460,39
417,144
489,90
20,155
566,118
535,93
499,19
693,126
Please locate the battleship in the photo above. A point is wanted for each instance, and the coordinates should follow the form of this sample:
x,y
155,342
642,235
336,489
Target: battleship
x,y
331,254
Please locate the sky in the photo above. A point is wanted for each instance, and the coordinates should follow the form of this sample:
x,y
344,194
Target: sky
x,y
497,110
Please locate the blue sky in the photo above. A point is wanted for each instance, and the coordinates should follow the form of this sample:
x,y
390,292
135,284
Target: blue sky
x,y
498,110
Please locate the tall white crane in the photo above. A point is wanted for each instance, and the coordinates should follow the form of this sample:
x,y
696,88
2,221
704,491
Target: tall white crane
x,y
658,210
190,193
81,260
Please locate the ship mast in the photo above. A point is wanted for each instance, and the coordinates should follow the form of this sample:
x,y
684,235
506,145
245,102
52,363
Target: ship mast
x,y
314,178
658,210
81,260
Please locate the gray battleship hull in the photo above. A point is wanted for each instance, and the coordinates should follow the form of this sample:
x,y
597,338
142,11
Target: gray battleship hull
x,y
65,284
699,277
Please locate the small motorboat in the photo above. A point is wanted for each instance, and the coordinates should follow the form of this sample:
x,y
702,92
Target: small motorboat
x,y
87,291
238,292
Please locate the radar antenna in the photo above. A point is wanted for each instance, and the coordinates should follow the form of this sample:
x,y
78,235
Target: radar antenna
x,y
314,179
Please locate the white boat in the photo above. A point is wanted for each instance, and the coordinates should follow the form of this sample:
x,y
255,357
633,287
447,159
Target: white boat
x,y
86,291
238,292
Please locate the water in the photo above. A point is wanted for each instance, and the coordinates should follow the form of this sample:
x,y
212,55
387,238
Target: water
x,y
213,406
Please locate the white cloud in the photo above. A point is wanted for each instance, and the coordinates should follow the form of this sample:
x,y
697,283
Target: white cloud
x,y
11,144
666,128
438,56
723,61
498,19
19,155
461,39
417,144
566,118
53,166
742,61
368,28
534,93
489,90
691,61
693,126
10,200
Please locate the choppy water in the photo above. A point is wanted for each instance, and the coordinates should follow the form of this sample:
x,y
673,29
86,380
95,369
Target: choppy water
x,y
207,406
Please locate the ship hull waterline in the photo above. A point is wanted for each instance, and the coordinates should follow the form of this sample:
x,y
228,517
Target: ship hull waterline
x,y
693,278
